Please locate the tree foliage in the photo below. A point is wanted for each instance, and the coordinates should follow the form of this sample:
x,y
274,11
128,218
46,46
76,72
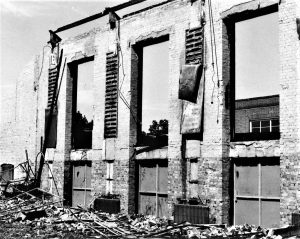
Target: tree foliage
x,y
159,128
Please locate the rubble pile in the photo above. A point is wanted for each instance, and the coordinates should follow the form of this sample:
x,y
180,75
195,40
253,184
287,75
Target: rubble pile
x,y
29,216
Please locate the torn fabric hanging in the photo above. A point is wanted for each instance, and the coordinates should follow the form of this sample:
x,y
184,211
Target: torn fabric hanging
x,y
192,114
191,72
191,82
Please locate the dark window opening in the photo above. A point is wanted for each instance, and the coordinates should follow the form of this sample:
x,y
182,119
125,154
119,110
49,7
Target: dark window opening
x,y
7,172
83,102
255,70
153,93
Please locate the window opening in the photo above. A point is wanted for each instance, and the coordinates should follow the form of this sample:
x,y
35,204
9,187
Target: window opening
x,y
83,106
154,100
256,78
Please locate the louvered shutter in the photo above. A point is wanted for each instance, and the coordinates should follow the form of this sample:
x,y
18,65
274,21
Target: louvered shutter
x,y
111,96
194,46
51,85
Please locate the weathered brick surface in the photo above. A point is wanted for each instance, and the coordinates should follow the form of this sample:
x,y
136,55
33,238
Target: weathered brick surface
x,y
255,109
23,128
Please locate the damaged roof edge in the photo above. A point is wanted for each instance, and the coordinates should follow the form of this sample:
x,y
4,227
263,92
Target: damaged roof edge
x,y
147,8
98,15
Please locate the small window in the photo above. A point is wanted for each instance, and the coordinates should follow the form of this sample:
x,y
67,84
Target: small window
x,y
264,126
193,171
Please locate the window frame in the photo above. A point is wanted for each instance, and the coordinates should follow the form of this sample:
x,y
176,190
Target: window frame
x,y
260,197
138,49
270,126
157,163
229,23
73,66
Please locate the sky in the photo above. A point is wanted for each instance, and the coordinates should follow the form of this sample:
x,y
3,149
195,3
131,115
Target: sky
x,y
155,84
257,57
24,27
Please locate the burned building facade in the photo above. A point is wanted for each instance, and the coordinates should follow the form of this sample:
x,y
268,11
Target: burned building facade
x,y
239,156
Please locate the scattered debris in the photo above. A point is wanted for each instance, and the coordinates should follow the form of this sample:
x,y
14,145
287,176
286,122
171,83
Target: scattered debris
x,y
32,215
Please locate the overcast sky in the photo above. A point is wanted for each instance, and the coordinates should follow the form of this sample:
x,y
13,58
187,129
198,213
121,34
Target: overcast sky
x,y
257,57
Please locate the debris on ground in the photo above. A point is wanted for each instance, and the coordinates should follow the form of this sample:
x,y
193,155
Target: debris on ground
x,y
32,215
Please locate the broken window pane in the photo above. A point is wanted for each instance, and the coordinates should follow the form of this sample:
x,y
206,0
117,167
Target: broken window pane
x,y
155,94
257,74
83,117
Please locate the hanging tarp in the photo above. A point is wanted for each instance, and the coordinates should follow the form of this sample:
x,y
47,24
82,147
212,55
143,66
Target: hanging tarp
x,y
192,113
189,82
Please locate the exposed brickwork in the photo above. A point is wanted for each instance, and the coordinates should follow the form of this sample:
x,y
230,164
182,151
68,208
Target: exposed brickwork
x,y
23,128
289,123
255,109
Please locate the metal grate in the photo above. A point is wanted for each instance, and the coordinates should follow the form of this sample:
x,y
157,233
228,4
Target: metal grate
x,y
51,85
296,219
111,96
107,205
194,46
197,214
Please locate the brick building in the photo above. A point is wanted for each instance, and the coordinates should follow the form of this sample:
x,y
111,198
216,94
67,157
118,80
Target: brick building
x,y
242,176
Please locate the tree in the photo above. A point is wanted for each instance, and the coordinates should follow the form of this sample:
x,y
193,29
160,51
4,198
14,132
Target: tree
x,y
160,128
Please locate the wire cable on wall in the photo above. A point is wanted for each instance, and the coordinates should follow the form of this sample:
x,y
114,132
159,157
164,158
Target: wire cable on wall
x,y
214,56
122,97
212,53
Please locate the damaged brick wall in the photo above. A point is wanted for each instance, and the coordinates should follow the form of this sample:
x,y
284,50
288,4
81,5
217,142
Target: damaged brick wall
x,y
213,154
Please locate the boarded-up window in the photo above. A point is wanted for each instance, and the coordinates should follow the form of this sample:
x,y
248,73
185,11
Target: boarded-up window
x,y
153,188
257,191
111,96
82,186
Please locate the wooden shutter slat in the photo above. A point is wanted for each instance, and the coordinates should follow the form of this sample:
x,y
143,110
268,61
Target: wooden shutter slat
x,y
111,96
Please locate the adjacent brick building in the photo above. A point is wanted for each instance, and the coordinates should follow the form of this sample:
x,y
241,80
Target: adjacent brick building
x,y
242,178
